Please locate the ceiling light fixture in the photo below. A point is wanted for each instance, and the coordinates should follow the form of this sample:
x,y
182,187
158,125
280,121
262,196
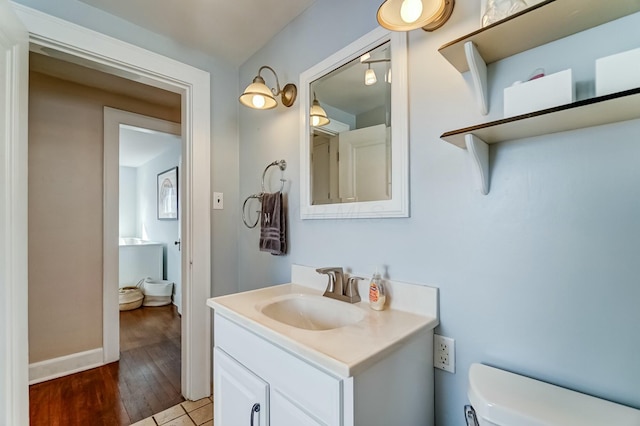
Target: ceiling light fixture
x,y
407,15
318,114
370,75
258,96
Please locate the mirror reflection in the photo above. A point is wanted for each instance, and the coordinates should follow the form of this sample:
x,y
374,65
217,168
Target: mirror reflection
x,y
350,118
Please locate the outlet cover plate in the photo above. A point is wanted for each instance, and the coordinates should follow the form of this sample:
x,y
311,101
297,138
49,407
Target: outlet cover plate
x,y
444,353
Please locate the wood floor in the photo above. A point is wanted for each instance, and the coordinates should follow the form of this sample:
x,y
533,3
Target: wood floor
x,y
144,382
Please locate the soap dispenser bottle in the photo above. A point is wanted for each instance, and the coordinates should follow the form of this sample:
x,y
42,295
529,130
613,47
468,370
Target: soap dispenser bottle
x,y
377,294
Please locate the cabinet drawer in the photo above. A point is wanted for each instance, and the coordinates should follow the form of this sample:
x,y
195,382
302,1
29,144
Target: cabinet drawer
x,y
316,393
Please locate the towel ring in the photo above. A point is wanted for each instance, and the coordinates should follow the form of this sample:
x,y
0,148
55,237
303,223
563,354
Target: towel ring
x,y
244,219
282,164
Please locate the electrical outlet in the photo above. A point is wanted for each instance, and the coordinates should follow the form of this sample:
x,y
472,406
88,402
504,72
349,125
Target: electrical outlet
x,y
444,353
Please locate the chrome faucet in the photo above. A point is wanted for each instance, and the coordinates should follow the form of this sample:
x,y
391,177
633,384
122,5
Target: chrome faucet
x,y
337,288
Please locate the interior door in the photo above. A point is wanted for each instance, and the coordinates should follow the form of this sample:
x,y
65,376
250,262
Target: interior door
x,y
177,278
240,397
364,164
320,166
14,358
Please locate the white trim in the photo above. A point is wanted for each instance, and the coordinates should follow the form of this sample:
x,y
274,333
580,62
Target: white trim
x,y
398,205
113,118
63,366
14,346
112,55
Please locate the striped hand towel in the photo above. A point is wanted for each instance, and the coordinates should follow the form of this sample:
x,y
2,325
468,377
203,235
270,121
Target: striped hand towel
x,y
273,236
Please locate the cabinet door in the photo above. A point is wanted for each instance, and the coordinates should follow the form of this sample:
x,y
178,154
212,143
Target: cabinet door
x,y
240,397
285,412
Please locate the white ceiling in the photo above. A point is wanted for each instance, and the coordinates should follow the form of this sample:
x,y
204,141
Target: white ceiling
x,y
232,30
137,146
344,87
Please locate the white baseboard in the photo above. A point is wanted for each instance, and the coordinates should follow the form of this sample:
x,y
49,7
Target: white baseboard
x,y
63,366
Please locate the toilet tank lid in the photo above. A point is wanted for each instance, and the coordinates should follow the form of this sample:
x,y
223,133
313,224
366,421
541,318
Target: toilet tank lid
x,y
508,399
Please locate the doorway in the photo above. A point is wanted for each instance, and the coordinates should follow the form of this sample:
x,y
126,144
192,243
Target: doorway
x,y
149,252
76,43
149,239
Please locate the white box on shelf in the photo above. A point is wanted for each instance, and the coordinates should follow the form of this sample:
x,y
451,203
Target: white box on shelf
x,y
542,93
618,72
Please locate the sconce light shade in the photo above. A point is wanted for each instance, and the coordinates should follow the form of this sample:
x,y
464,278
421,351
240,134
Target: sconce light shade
x,y
370,77
407,15
258,96
318,116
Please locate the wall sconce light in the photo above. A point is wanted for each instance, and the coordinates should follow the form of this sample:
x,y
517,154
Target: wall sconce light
x,y
318,114
258,96
407,15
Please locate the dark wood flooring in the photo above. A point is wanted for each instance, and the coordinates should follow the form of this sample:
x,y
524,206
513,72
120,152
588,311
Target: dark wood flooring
x,y
144,382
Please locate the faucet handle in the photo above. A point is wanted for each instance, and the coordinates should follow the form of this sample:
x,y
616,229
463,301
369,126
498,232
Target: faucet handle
x,y
335,277
330,269
352,287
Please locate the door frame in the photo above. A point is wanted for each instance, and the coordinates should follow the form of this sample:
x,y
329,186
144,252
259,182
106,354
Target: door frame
x,y
113,118
56,36
14,345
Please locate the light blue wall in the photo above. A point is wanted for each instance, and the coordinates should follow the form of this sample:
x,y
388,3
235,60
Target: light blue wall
x,y
541,276
224,122
149,227
128,198
148,224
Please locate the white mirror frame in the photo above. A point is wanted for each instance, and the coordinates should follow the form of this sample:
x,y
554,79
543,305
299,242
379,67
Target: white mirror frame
x,y
398,205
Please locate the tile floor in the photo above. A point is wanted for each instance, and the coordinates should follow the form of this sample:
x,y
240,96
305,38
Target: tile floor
x,y
188,413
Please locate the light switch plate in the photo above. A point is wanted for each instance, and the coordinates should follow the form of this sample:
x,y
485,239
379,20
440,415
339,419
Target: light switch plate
x,y
218,201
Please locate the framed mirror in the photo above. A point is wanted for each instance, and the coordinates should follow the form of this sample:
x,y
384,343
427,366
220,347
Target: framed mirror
x,y
354,133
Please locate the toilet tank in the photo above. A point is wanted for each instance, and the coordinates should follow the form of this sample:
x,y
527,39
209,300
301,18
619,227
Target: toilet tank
x,y
505,399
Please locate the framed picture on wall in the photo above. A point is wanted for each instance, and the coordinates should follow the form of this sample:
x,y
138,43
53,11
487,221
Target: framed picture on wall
x,y
168,194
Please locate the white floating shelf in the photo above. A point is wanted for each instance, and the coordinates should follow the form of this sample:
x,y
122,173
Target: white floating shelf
x,y
542,23
613,108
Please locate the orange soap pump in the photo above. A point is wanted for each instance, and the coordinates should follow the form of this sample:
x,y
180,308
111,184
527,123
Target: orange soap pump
x,y
377,295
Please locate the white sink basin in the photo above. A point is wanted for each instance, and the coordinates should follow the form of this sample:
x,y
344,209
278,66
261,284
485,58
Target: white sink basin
x,y
311,312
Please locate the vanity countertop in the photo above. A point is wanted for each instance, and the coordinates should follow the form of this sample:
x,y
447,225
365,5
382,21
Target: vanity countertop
x,y
343,351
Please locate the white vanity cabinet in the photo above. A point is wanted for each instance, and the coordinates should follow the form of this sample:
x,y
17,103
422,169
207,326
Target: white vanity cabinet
x,y
292,391
297,393
310,360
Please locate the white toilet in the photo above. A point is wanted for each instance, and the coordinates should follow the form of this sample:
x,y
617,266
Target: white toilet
x,y
500,398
